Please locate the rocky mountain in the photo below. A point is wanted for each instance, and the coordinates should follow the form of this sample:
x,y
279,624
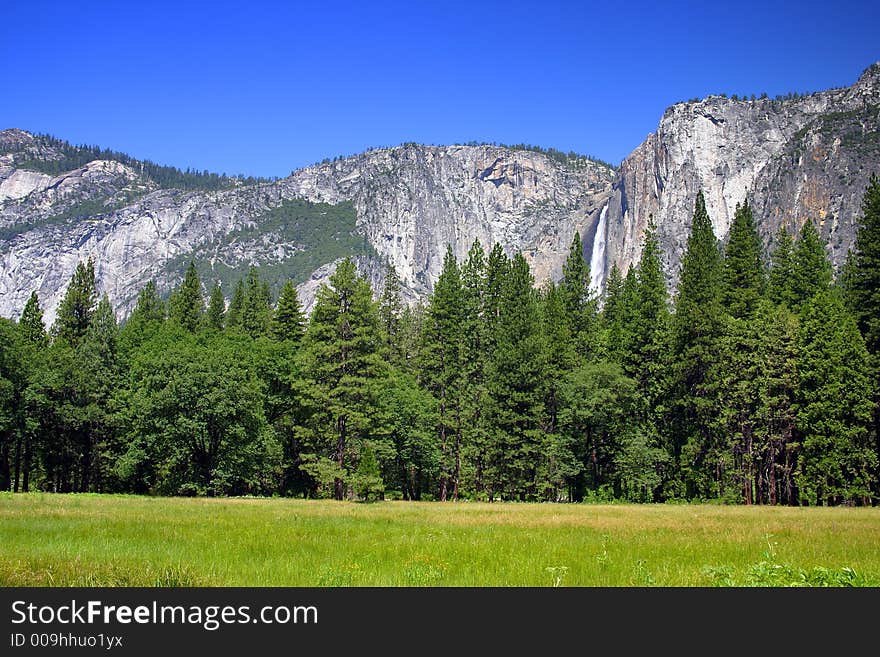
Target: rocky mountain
x,y
796,158
400,206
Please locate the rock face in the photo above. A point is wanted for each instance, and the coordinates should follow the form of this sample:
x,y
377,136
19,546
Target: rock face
x,y
411,202
795,159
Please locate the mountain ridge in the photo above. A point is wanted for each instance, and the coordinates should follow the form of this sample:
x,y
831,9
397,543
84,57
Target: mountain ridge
x,y
799,158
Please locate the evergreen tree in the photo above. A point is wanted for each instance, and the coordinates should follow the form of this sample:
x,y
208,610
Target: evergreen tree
x,y
866,270
650,325
497,270
98,380
78,304
441,365
342,370
289,321
13,381
558,463
580,304
368,482
743,270
216,308
515,384
697,326
780,286
187,305
837,460
474,343
256,314
236,307
390,310
775,441
31,325
811,272
648,360
145,320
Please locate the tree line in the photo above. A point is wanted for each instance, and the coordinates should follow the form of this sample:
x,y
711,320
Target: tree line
x,y
755,383
70,157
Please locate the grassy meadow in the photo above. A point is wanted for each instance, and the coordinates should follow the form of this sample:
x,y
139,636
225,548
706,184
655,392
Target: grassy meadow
x,y
98,540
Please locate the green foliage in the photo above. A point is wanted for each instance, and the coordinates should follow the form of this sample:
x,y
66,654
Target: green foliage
x,y
342,371
697,326
194,422
836,391
865,285
256,313
314,234
743,270
31,325
186,306
493,390
515,384
78,304
288,322
811,271
216,313
780,286
581,306
368,484
442,368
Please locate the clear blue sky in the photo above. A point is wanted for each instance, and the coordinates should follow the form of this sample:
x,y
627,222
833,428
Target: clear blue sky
x,y
262,88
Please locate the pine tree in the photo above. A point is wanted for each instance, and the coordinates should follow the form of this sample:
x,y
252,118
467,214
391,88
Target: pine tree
x,y
557,462
145,320
648,355
77,306
256,314
835,406
31,325
743,270
288,322
216,308
497,270
515,383
441,365
580,304
812,271
776,449
342,370
390,310
780,286
474,342
368,478
652,317
866,270
697,327
236,307
187,305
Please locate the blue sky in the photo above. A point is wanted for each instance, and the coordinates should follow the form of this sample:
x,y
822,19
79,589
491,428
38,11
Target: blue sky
x,y
262,88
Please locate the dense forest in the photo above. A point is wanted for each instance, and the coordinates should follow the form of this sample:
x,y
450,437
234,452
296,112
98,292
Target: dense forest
x,y
756,383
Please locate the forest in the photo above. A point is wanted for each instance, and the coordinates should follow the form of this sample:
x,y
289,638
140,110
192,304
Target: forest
x,y
755,383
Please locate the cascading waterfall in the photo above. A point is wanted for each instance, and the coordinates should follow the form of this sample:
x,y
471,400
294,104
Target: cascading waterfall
x,y
597,259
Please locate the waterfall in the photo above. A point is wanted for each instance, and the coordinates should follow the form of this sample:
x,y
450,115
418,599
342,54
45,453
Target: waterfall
x,y
597,259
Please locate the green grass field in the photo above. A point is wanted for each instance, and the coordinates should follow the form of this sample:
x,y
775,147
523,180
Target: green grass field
x,y
94,540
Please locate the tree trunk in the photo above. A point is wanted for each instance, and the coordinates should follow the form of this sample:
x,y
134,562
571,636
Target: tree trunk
x,y
338,487
457,474
26,475
771,475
